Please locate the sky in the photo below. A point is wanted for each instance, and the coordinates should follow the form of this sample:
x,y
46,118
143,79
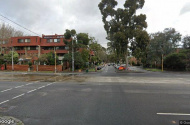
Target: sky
x,y
55,16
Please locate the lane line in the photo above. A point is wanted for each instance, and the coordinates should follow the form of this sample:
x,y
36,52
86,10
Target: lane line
x,y
19,86
29,84
31,90
7,90
18,96
41,87
173,114
4,102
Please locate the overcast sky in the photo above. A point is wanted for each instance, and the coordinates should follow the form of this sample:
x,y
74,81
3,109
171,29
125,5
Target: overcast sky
x,y
54,16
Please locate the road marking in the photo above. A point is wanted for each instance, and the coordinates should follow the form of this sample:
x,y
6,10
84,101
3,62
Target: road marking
x,y
18,96
4,102
7,90
49,84
173,114
19,86
31,90
29,83
41,87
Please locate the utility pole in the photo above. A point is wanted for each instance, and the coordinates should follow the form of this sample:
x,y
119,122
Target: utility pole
x,y
72,56
55,60
12,60
162,63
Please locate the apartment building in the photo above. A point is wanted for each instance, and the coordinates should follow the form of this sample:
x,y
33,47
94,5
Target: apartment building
x,y
31,47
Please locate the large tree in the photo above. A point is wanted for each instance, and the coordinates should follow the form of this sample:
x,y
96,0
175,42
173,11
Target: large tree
x,y
122,24
162,43
186,42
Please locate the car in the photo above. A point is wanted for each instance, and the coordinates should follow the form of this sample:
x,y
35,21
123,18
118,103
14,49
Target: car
x,y
121,68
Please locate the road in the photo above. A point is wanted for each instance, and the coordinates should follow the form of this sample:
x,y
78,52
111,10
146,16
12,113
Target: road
x,y
103,98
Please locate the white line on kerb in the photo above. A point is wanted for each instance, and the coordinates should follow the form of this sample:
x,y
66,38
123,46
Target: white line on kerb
x,y
7,90
31,90
173,114
4,102
18,96
19,86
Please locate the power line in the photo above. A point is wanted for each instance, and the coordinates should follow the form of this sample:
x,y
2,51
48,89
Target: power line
x,y
19,25
19,29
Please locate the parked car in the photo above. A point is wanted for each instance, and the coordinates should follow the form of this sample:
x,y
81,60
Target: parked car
x,y
121,67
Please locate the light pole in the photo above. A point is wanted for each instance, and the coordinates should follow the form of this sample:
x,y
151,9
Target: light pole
x,y
55,60
12,60
73,61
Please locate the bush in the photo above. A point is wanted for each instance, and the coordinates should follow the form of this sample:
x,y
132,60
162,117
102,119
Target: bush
x,y
175,61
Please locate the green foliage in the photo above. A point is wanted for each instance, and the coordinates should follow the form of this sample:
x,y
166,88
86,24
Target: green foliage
x,y
186,42
124,27
83,38
69,33
49,58
30,64
175,61
8,57
85,55
79,62
164,42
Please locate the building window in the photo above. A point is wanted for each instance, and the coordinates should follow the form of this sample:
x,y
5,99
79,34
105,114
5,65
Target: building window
x,y
27,40
50,40
21,40
56,40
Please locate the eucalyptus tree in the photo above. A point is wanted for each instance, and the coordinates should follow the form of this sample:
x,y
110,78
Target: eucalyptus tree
x,y
186,42
122,24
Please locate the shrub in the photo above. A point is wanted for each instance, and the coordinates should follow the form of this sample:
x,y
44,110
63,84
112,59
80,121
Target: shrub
x,y
175,61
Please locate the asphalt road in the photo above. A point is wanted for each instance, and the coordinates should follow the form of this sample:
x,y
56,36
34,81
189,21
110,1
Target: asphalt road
x,y
104,98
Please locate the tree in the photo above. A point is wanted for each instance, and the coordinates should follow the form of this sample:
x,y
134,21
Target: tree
x,y
186,42
8,57
79,62
83,38
121,25
175,61
162,43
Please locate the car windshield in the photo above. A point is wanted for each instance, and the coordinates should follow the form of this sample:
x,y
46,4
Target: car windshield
x,y
94,62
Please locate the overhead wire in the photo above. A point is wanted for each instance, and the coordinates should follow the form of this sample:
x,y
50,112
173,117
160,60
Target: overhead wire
x,y
19,25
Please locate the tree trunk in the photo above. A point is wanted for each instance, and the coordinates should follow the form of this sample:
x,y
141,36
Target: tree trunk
x,y
126,60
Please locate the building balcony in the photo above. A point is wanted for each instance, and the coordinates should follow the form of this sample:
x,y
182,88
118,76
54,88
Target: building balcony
x,y
57,51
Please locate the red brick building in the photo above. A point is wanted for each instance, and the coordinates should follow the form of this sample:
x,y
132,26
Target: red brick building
x,y
31,47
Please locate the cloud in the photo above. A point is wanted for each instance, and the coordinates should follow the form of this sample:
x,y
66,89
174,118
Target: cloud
x,y
185,9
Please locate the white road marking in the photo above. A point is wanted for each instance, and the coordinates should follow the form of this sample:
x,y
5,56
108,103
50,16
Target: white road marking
x,y
173,114
18,96
29,83
19,86
7,90
31,90
49,84
4,102
41,87
36,81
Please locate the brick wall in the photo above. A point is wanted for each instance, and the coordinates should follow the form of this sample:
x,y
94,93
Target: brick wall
x,y
40,68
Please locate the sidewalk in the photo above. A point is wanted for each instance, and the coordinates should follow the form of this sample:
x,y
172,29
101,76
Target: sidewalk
x,y
41,73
